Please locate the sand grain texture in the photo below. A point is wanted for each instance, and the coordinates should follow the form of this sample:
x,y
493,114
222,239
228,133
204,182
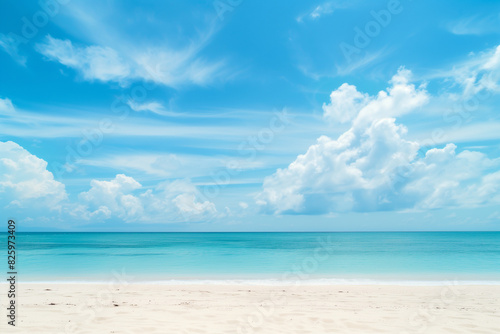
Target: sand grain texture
x,y
141,308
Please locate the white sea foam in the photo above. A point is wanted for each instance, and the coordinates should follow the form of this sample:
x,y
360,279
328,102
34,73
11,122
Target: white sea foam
x,y
276,282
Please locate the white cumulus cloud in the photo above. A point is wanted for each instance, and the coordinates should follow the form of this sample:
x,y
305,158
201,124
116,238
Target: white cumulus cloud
x,y
28,188
126,199
345,102
25,181
114,197
372,166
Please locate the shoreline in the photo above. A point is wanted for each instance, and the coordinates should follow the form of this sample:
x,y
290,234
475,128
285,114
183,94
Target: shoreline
x,y
272,282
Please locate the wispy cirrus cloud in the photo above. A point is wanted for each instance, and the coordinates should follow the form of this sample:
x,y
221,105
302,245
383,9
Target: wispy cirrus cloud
x,y
6,106
10,45
476,25
323,9
105,64
344,69
93,62
101,48
363,62
153,106
480,72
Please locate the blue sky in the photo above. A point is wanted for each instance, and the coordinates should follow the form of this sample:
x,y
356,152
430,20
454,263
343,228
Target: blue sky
x,y
238,115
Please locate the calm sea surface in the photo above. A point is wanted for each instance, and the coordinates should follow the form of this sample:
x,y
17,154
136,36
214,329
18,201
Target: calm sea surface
x,y
414,256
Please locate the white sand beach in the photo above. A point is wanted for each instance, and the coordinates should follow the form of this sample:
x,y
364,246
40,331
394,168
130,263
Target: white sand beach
x,y
154,308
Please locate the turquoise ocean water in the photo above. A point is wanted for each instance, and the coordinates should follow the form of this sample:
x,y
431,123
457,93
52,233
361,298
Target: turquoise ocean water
x,y
308,257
